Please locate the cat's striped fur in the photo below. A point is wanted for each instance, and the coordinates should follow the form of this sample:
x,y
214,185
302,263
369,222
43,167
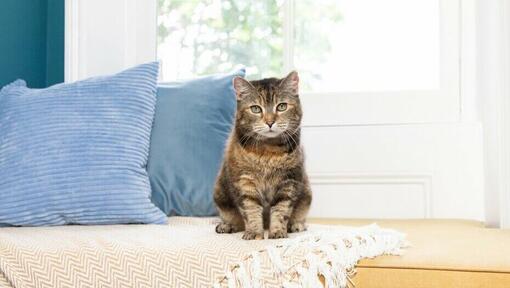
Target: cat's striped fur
x,y
263,182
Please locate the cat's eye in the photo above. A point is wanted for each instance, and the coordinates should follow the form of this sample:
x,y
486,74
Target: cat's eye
x,y
256,109
281,107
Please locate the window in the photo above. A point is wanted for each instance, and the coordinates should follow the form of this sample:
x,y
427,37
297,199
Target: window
x,y
354,50
392,45
201,37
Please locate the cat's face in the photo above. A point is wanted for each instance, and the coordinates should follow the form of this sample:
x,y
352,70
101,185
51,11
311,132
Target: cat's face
x,y
268,108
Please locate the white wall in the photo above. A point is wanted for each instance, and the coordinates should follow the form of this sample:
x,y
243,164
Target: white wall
x,y
396,171
403,168
493,90
104,37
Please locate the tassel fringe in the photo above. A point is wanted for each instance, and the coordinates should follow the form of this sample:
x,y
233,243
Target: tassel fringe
x,y
329,258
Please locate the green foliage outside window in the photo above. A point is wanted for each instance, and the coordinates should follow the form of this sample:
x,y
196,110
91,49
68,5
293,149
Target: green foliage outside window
x,y
223,34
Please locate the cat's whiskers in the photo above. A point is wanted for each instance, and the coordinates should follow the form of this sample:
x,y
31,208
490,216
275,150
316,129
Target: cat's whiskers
x,y
291,137
258,128
286,138
296,123
243,138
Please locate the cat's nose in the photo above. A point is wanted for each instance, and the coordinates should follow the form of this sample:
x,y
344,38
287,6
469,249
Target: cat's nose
x,y
270,123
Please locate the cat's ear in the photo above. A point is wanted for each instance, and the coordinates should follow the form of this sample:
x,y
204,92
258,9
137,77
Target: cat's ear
x,y
242,87
291,83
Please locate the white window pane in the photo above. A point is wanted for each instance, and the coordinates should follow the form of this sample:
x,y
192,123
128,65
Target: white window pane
x,y
367,45
201,37
339,45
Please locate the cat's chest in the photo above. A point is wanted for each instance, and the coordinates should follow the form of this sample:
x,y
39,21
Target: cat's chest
x,y
266,173
268,165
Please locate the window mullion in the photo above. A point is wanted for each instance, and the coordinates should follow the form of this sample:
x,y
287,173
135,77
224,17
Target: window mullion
x,y
288,32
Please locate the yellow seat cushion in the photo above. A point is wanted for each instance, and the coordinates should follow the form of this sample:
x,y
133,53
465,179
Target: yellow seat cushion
x,y
443,253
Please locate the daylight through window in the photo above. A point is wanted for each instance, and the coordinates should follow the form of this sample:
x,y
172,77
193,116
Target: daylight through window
x,y
336,45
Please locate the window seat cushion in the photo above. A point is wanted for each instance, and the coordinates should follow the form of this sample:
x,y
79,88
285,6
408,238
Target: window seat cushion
x,y
443,253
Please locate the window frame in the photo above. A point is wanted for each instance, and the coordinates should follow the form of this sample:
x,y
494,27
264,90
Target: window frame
x,y
136,43
389,107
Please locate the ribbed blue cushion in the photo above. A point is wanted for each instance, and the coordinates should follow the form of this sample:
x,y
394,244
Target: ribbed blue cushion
x,y
77,153
192,123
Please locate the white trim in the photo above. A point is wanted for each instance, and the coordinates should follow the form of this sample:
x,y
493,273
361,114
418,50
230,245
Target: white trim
x,y
104,37
288,35
130,24
71,40
469,107
493,92
424,180
505,136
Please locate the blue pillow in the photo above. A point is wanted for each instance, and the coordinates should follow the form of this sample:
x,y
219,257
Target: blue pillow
x,y
192,123
77,153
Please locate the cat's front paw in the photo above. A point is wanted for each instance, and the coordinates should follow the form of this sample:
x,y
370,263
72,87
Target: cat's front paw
x,y
277,234
296,227
225,228
250,235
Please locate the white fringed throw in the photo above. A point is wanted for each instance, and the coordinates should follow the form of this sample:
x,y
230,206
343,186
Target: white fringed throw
x,y
185,253
318,259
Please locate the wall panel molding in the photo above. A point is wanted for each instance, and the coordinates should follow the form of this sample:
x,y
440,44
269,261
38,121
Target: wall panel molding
x,y
365,181
415,171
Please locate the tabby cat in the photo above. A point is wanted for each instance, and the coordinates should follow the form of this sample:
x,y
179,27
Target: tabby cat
x,y
263,182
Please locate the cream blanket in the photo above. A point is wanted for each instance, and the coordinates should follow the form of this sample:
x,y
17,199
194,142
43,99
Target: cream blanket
x,y
185,253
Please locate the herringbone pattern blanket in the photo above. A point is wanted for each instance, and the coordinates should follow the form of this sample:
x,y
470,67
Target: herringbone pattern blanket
x,y
185,253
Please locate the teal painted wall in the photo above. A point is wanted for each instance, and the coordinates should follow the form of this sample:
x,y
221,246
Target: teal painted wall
x,y
32,42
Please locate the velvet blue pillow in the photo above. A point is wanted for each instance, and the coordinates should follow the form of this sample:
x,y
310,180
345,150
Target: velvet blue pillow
x,y
77,153
192,124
